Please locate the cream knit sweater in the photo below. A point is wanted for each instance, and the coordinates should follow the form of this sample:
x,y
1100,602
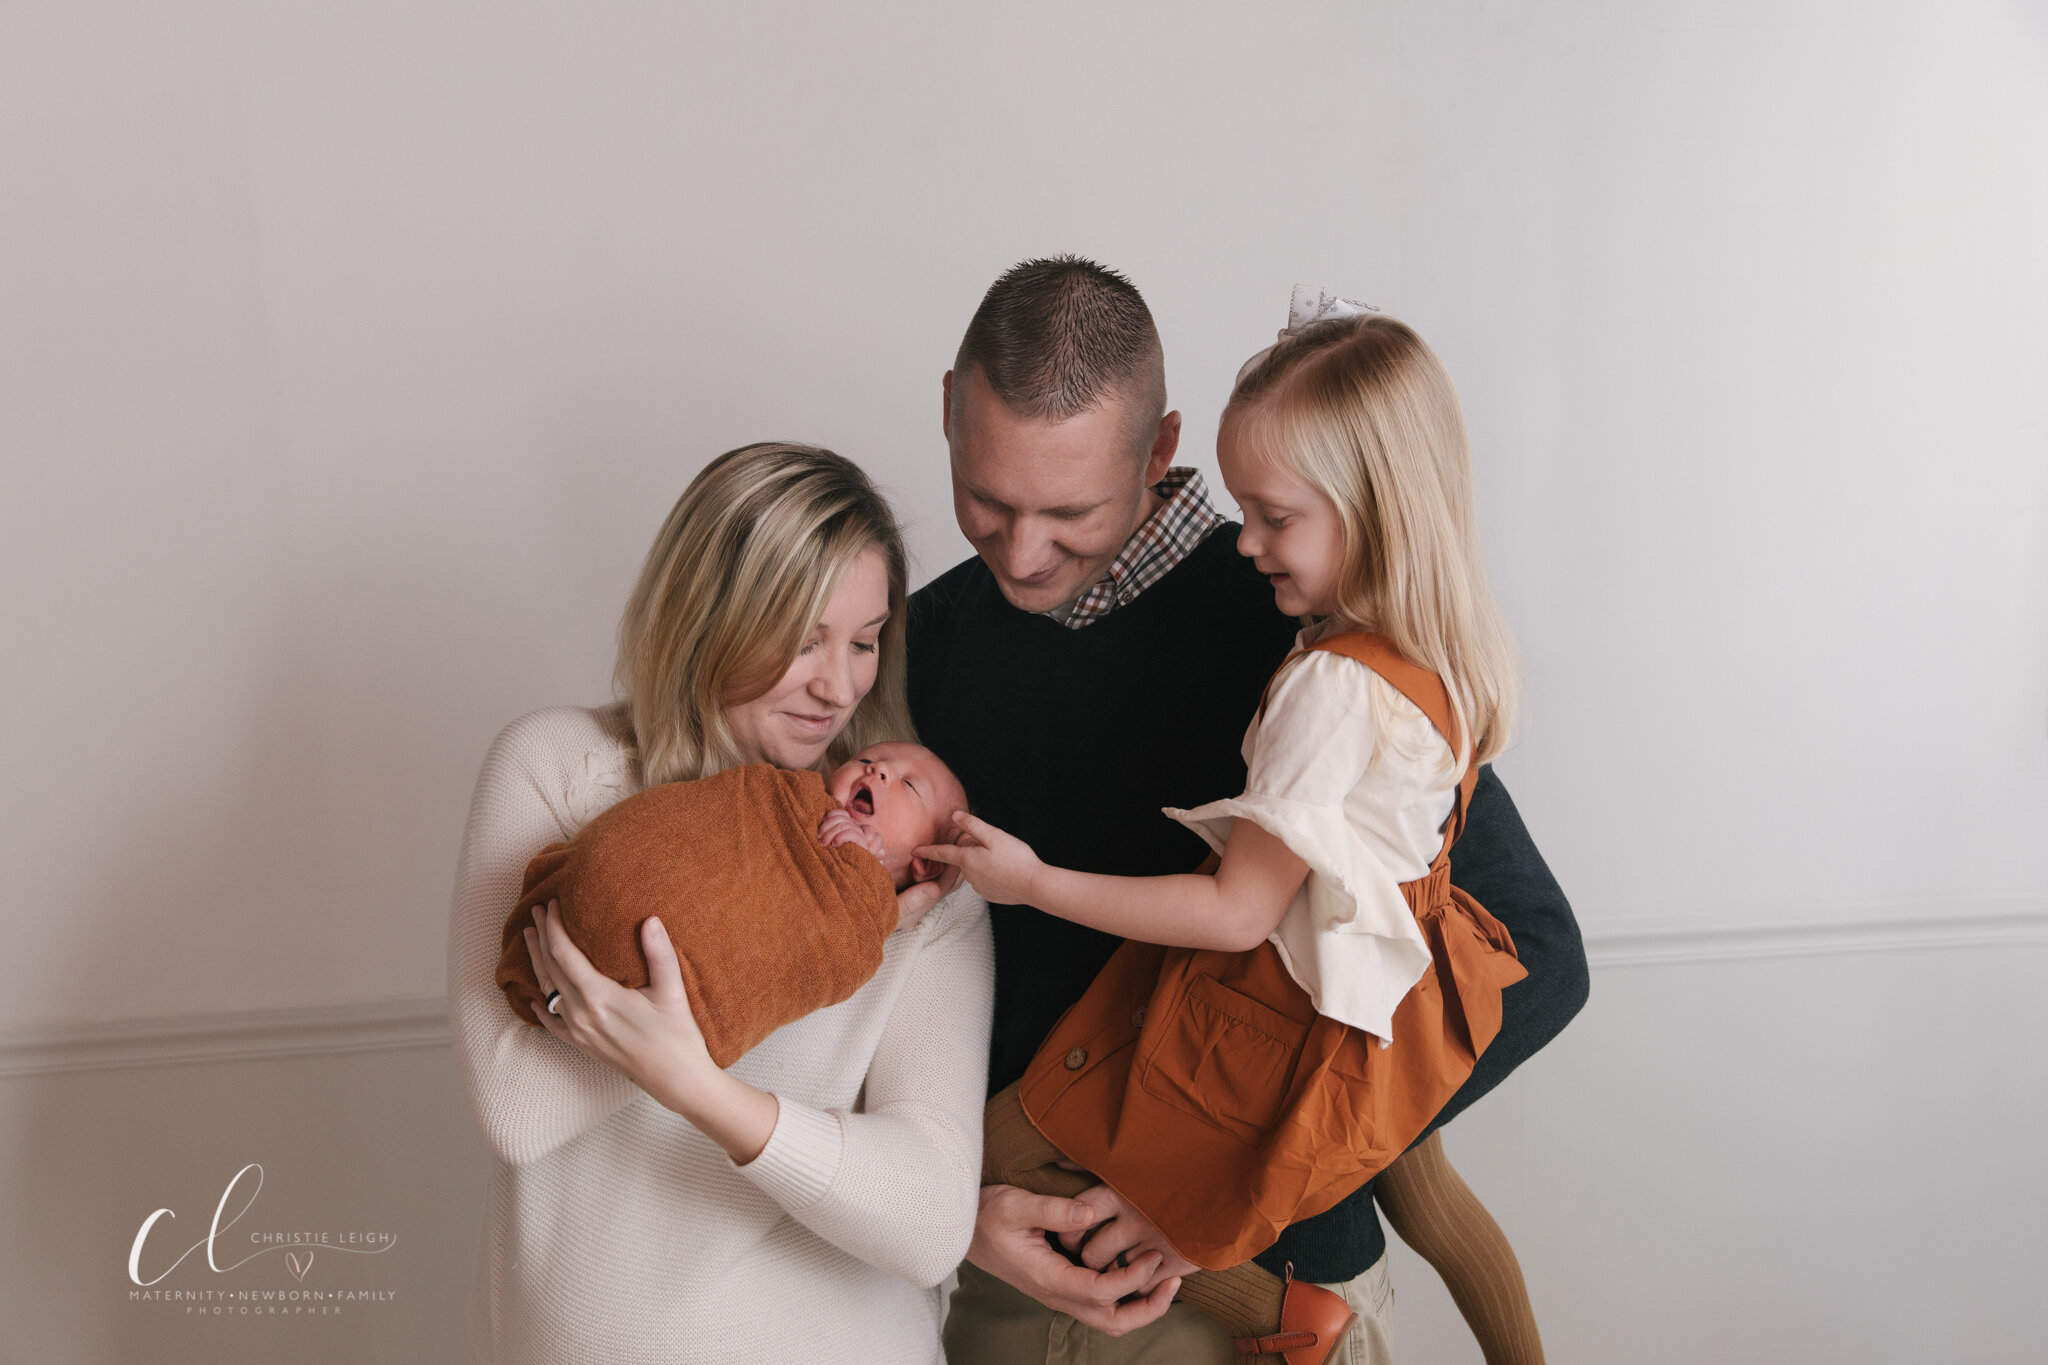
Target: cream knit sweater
x,y
616,1232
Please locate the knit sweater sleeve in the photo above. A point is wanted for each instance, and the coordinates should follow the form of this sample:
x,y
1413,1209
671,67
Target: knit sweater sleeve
x,y
897,1181
530,1093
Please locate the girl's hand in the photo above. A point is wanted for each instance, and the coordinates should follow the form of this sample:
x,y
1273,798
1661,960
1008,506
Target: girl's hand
x,y
1000,866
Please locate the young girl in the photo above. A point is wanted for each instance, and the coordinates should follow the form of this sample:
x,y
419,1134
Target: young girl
x,y
1322,992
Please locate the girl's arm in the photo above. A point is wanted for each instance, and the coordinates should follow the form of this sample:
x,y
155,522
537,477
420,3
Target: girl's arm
x,y
1233,910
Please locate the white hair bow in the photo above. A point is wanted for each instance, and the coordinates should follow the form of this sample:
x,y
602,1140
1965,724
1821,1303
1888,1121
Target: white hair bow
x,y
1305,310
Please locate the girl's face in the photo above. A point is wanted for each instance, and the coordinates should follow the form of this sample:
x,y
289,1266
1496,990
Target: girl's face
x,y
1292,533
795,721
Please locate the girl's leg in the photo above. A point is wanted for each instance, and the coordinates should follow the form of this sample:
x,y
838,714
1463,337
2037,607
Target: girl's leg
x,y
1244,1298
1436,1213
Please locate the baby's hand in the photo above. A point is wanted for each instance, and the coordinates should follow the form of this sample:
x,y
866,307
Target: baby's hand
x,y
1000,866
841,828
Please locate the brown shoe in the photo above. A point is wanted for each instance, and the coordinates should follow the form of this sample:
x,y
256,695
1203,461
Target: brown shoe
x,y
1313,1322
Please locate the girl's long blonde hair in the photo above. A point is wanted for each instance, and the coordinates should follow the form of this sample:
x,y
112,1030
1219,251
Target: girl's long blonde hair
x,y
737,579
1361,409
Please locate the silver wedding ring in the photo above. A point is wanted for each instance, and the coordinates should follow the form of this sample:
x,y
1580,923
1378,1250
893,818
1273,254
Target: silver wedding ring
x,y
554,999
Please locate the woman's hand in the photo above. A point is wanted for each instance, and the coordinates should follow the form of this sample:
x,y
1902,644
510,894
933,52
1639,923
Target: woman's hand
x,y
914,900
648,1035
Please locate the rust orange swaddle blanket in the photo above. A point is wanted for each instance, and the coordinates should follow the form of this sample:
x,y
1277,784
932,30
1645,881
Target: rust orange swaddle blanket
x,y
768,926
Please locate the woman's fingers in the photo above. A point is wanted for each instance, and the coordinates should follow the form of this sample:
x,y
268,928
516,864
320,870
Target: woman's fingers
x,y
664,973
666,991
913,900
948,854
572,970
547,968
538,954
536,949
545,971
551,1022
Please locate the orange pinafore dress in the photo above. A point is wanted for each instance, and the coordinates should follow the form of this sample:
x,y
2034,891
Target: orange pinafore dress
x,y
1205,1089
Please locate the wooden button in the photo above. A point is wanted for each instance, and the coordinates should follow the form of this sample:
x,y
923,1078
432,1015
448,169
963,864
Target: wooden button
x,y
1138,1017
1077,1059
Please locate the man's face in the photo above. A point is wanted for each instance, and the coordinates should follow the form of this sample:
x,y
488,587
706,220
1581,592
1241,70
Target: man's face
x,y
1047,505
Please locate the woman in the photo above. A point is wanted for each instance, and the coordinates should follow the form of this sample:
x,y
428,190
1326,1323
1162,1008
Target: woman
x,y
803,1204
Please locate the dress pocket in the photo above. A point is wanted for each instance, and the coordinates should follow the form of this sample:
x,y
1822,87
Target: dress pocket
x,y
1225,1058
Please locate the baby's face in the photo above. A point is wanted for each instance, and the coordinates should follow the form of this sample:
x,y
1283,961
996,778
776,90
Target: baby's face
x,y
906,795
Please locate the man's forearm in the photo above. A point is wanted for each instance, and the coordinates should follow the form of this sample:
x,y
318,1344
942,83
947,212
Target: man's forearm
x,y
1497,863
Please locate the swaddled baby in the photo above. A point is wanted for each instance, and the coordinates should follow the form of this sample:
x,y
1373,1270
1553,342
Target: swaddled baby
x,y
776,887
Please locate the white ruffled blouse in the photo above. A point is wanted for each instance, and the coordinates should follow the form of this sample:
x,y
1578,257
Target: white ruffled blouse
x,y
1363,826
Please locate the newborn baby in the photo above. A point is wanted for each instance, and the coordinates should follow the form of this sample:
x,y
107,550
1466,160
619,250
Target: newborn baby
x,y
776,887
892,798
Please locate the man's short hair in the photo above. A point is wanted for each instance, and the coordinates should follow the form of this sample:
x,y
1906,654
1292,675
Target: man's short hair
x,y
1057,336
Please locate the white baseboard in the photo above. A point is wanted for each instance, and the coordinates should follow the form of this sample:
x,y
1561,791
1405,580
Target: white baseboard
x,y
378,1025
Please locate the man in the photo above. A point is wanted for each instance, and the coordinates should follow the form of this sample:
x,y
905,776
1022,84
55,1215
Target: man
x,y
1098,659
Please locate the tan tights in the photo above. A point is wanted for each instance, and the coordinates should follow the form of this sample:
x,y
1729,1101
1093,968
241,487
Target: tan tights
x,y
1425,1200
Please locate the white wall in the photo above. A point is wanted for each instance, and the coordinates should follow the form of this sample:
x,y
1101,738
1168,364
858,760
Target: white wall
x,y
350,354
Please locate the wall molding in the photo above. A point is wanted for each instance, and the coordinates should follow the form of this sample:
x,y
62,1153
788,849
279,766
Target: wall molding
x,y
422,1021
1873,929
229,1036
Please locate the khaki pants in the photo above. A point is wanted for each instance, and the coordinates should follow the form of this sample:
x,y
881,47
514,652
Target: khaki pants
x,y
990,1323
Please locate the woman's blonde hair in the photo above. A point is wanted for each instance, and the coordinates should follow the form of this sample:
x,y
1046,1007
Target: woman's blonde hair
x,y
1361,409
737,579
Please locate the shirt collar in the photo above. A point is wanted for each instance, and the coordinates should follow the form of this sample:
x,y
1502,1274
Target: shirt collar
x,y
1154,550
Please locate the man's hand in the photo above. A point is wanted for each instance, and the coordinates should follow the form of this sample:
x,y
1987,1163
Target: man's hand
x,y
1116,1230
1009,1243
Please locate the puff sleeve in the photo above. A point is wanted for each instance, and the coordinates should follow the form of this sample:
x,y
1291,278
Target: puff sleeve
x,y
1349,938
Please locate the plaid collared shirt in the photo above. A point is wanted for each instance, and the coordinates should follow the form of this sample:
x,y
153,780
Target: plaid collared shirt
x,y
1154,549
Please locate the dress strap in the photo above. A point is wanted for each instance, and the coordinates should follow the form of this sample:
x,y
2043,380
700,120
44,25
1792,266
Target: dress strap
x,y
1420,686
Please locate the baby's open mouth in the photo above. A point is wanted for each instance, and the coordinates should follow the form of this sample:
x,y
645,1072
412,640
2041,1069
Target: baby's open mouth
x,y
862,802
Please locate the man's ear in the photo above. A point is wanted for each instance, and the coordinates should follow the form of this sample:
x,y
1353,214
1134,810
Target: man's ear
x,y
1164,444
946,405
